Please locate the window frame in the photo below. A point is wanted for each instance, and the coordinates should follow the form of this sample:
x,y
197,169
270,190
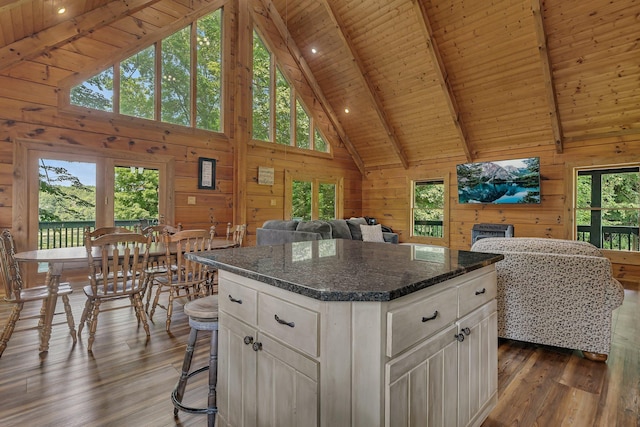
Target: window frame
x,y
571,178
290,176
441,241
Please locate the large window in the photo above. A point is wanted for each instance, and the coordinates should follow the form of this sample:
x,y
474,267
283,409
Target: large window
x,y
183,100
428,208
607,203
313,198
278,114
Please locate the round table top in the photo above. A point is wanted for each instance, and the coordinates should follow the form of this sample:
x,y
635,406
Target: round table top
x,y
79,253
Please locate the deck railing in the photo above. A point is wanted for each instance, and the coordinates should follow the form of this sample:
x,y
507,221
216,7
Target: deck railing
x,y
427,228
70,233
617,238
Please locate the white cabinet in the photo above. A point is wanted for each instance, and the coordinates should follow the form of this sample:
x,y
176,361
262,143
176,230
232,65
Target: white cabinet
x,y
290,360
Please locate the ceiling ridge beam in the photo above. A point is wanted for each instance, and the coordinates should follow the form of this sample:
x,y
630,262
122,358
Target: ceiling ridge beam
x,y
315,87
552,102
68,30
366,81
442,76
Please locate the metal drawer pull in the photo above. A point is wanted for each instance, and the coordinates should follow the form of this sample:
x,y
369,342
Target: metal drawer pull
x,y
232,299
466,331
426,319
284,322
257,346
459,337
248,339
481,292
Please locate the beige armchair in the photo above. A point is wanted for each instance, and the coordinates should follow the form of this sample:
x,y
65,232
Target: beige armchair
x,y
555,292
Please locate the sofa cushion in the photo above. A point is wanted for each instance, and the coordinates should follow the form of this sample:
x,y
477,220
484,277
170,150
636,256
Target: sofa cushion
x,y
317,226
340,229
354,227
279,224
371,233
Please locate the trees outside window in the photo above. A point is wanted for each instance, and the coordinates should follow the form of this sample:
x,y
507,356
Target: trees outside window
x,y
310,198
607,203
428,208
135,84
278,115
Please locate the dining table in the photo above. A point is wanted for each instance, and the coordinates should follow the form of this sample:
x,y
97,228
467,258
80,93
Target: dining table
x,y
56,258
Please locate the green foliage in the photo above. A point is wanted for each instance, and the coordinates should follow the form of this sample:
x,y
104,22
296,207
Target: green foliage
x,y
283,109
176,75
429,200
137,91
301,200
261,90
303,127
327,201
57,202
96,92
209,72
136,193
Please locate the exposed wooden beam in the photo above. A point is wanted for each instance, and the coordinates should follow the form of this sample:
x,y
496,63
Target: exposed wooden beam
x,y
306,71
442,76
371,92
66,31
550,92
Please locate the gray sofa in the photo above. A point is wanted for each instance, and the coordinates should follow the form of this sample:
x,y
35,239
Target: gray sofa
x,y
276,232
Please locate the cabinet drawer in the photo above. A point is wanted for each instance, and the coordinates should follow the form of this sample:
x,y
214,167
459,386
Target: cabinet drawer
x,y
476,292
414,322
290,323
238,300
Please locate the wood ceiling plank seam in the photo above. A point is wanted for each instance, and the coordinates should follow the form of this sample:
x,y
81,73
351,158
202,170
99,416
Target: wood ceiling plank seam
x,y
297,55
443,78
12,4
370,89
6,29
547,74
53,37
17,24
27,20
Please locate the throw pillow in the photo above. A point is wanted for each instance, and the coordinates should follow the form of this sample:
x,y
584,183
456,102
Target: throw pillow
x,y
371,233
354,227
340,229
317,226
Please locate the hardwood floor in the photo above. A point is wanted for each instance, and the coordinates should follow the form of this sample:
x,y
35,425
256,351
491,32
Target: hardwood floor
x,y
127,381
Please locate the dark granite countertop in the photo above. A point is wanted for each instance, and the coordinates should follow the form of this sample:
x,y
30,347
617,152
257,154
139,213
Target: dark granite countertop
x,y
347,270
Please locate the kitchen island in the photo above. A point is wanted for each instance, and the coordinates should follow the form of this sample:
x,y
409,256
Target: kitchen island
x,y
351,333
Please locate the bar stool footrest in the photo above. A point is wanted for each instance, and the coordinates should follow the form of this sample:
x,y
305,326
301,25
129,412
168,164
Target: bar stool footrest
x,y
189,409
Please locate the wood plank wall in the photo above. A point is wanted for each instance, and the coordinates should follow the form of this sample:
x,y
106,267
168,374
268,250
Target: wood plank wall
x,y
386,195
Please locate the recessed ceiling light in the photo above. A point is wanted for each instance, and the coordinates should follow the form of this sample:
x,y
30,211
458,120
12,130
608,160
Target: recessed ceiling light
x,y
346,110
314,50
61,10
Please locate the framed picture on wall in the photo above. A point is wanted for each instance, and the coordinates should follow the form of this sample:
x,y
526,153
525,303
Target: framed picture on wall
x,y
206,173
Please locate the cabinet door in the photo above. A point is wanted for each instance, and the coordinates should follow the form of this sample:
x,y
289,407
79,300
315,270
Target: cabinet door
x,y
478,364
237,405
421,388
287,386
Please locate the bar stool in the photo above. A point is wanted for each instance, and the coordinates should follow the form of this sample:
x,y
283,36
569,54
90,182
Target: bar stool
x,y
203,316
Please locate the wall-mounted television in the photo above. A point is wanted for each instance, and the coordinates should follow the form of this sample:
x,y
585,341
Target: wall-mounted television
x,y
505,181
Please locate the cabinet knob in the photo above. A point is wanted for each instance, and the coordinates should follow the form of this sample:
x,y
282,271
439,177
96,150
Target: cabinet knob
x,y
459,337
248,339
257,346
426,319
466,331
232,299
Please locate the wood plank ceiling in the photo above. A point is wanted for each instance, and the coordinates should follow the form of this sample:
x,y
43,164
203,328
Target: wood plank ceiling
x,y
423,80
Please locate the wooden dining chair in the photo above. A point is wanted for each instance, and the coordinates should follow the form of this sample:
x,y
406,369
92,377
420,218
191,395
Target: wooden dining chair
x,y
17,294
117,264
188,276
160,264
101,231
236,233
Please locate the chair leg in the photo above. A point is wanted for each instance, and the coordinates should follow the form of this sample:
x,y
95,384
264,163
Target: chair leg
x,y
10,326
85,318
178,393
213,379
94,323
170,308
137,302
69,313
155,301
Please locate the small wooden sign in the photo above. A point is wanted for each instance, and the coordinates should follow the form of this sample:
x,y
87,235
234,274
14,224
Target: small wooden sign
x,y
265,175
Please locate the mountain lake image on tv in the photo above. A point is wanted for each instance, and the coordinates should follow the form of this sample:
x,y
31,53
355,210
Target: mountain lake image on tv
x,y
502,182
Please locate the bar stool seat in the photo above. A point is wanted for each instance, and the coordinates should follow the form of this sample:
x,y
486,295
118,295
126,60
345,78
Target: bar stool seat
x,y
203,316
